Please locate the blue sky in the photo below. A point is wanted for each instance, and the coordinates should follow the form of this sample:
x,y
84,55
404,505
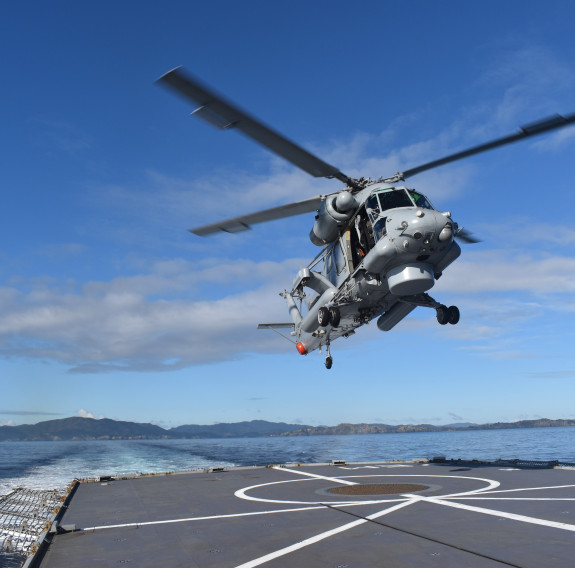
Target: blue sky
x,y
109,307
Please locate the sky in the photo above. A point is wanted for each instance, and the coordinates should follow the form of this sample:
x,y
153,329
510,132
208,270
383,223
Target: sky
x,y
109,307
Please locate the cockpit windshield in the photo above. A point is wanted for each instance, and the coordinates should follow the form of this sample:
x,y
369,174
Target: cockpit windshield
x,y
381,201
384,200
393,199
419,199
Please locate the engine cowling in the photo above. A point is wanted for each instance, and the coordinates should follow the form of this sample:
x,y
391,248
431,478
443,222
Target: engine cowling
x,y
333,214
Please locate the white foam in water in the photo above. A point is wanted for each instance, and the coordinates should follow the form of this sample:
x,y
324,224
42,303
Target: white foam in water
x,y
62,462
53,465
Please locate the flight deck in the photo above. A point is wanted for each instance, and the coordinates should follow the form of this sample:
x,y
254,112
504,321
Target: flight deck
x,y
339,515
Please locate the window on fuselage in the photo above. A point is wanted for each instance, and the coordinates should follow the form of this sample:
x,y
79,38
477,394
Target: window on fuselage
x,y
393,199
379,229
419,199
373,205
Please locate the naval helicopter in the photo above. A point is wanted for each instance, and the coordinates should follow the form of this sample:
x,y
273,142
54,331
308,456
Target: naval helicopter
x,y
383,244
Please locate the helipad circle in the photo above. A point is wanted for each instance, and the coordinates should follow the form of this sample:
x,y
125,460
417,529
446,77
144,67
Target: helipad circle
x,y
244,493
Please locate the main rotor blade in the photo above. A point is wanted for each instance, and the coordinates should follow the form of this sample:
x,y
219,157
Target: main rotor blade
x,y
223,114
533,129
242,223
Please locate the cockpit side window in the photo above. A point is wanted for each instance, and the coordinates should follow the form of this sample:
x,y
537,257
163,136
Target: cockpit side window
x,y
373,205
420,200
393,199
379,229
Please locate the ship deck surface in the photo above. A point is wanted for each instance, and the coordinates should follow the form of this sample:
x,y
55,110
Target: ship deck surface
x,y
441,515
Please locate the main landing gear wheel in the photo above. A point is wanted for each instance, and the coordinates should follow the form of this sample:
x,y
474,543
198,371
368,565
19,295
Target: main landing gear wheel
x,y
447,315
335,316
453,312
323,316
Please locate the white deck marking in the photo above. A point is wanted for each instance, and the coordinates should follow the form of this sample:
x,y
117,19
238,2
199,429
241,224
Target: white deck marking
x,y
527,489
213,517
374,466
494,513
518,498
307,474
321,536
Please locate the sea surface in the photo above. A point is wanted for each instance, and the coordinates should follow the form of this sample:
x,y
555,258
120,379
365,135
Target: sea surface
x,y
54,465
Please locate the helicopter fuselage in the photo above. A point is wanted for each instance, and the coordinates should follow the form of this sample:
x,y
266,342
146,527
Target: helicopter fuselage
x,y
387,254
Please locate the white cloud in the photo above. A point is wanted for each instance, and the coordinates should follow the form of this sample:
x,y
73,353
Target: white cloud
x,y
508,270
137,323
84,413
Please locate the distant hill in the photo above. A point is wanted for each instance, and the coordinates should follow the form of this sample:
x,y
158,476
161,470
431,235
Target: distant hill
x,y
457,425
539,423
77,428
344,429
251,429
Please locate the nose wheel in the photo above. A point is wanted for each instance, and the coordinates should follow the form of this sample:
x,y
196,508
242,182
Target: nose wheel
x,y
328,358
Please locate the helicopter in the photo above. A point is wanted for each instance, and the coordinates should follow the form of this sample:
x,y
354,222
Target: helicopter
x,y
383,245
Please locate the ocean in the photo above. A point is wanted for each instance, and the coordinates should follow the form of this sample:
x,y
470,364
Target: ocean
x,y
53,465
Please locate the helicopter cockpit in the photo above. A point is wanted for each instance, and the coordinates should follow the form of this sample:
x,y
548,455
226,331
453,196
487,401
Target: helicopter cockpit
x,y
392,198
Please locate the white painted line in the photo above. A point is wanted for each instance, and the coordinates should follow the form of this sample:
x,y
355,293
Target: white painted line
x,y
392,466
214,517
320,537
307,474
494,513
527,489
517,498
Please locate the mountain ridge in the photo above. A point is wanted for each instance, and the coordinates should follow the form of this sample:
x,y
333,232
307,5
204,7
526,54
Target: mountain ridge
x,y
79,428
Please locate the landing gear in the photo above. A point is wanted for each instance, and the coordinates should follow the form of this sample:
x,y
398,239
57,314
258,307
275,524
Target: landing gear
x,y
335,316
447,315
444,314
328,358
325,316
453,315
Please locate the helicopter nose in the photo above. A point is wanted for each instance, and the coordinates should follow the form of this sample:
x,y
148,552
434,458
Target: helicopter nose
x,y
427,226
